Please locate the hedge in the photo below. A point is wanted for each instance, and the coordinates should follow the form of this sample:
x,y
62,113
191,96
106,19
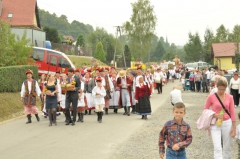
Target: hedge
x,y
12,77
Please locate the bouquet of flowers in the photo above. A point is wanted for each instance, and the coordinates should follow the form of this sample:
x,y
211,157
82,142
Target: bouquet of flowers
x,y
68,86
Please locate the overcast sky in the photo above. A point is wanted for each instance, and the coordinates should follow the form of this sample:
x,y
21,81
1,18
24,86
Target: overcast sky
x,y
175,18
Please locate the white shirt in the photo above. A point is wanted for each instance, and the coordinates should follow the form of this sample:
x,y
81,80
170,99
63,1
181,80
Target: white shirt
x,y
176,96
38,91
158,75
238,132
110,83
208,74
99,99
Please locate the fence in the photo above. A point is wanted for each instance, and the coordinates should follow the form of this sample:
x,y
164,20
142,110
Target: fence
x,y
72,50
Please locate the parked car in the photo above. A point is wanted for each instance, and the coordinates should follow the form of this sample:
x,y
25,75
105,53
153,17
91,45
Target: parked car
x,y
50,61
191,66
203,65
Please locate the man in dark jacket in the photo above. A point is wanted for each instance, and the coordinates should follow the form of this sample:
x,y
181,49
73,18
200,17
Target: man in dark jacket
x,y
72,97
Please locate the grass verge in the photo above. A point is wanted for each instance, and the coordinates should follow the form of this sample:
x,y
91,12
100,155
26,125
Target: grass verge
x,y
11,106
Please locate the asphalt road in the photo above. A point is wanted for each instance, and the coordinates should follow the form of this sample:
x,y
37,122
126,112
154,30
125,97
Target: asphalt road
x,y
87,140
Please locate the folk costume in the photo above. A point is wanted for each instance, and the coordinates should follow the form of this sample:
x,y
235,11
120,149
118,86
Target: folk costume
x,y
29,92
89,84
109,88
143,106
51,102
98,94
63,98
82,106
125,83
133,89
115,96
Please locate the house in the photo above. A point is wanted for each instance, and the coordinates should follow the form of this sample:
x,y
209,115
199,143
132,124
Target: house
x,y
224,55
23,15
69,38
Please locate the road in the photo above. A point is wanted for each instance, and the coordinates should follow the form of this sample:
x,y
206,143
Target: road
x,y
87,140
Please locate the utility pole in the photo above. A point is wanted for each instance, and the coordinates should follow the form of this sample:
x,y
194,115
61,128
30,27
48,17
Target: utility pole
x,y
118,30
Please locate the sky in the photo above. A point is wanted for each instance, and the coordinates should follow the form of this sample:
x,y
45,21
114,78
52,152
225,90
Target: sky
x,y
175,18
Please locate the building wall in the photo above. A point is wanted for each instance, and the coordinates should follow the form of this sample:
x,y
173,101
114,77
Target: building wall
x,y
37,38
225,63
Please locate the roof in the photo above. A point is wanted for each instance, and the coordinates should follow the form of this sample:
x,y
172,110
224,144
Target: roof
x,y
69,37
223,49
23,13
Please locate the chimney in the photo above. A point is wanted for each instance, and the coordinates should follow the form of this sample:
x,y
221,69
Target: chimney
x,y
0,7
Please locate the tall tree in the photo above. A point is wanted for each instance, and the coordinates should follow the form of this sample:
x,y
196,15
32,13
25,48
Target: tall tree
x,y
222,34
80,40
159,52
127,53
52,34
99,53
207,44
193,48
140,29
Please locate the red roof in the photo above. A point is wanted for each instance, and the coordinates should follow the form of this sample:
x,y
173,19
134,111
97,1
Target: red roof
x,y
223,49
23,13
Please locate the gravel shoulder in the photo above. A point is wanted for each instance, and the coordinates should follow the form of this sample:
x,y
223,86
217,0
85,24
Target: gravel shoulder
x,y
143,144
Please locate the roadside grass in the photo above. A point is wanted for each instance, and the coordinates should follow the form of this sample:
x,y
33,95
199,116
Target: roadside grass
x,y
80,61
11,106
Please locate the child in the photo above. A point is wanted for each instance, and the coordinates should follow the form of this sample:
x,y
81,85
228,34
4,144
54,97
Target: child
x,y
238,136
183,82
98,94
82,105
177,134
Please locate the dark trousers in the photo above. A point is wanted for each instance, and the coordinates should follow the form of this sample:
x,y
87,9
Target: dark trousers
x,y
198,84
235,96
159,87
205,86
74,102
192,86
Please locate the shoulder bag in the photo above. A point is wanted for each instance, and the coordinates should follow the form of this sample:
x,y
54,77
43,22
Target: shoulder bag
x,y
222,105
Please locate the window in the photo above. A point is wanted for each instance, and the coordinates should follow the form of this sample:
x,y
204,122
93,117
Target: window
x,y
53,61
62,62
38,55
205,64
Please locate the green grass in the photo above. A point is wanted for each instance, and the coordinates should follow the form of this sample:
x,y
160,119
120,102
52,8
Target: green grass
x,y
80,61
11,106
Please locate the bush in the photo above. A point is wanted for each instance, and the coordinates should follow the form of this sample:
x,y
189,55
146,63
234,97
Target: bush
x,y
12,77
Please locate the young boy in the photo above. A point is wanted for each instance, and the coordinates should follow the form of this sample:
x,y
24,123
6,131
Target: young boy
x,y
98,94
177,134
238,136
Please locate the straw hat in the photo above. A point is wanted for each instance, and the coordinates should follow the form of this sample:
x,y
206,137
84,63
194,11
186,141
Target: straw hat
x,y
122,73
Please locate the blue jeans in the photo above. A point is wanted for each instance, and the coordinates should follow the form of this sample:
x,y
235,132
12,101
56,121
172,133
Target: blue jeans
x,y
170,154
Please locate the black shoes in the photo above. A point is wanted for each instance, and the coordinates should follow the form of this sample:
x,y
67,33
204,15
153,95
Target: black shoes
x,y
79,117
106,111
125,110
29,119
128,111
73,123
37,117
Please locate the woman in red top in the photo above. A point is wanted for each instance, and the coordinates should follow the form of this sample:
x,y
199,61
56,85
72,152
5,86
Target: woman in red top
x,y
142,95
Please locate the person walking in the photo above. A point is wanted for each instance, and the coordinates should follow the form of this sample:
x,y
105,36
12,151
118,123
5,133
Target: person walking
x,y
225,128
109,89
125,83
82,105
158,80
198,79
30,92
176,133
72,97
175,96
114,101
98,94
51,92
191,80
63,95
234,87
205,81
89,84
142,95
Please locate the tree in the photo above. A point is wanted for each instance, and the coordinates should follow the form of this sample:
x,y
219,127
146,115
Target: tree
x,y
170,53
80,40
14,50
193,48
99,53
222,34
127,53
140,29
52,34
207,44
158,52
